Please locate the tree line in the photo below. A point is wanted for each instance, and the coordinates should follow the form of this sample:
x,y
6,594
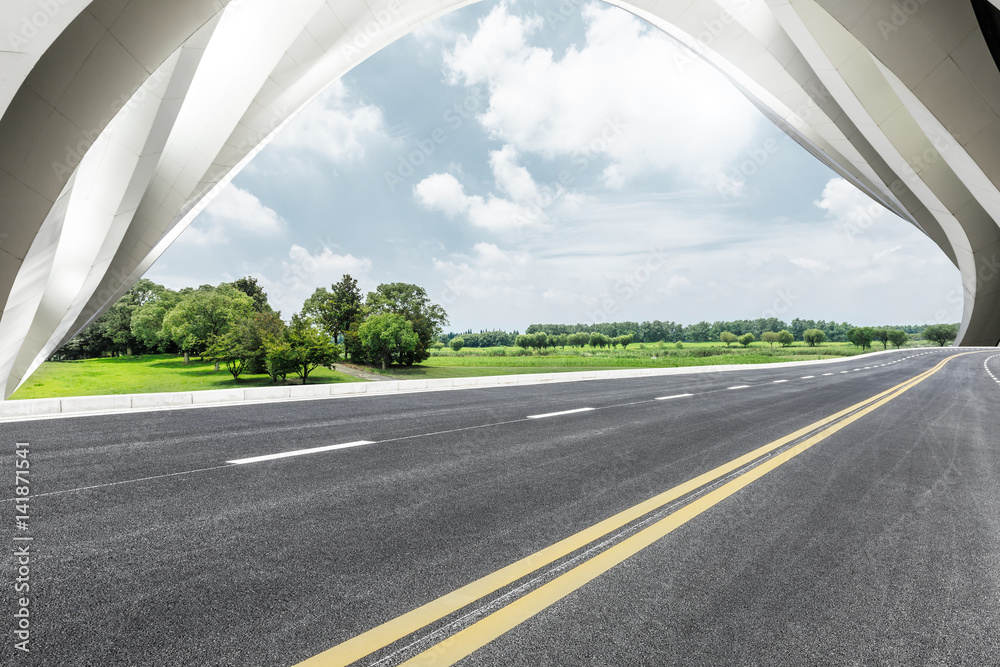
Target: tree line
x,y
657,331
233,324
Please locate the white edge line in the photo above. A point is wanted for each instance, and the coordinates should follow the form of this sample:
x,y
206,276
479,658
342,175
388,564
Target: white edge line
x,y
300,452
667,398
556,414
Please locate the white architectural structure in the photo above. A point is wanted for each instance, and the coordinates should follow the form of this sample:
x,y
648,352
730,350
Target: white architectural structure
x,y
122,118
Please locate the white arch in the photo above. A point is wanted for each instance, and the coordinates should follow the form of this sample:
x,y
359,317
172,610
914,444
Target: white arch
x,y
87,206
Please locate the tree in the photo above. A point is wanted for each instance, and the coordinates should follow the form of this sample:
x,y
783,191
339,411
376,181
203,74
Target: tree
x,y
147,321
250,287
279,358
337,309
228,348
204,315
625,341
389,336
881,334
746,339
785,337
410,301
861,337
727,337
457,343
246,341
898,338
310,348
813,337
942,334
770,338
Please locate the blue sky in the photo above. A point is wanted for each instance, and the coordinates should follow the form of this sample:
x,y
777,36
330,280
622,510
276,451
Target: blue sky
x,y
524,166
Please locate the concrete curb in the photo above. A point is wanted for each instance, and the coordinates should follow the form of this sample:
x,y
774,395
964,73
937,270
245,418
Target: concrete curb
x,y
81,406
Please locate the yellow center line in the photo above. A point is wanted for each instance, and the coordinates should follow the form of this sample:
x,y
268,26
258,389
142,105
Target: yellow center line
x,y
493,626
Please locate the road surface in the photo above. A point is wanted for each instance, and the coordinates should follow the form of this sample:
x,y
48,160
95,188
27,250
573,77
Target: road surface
x,y
838,514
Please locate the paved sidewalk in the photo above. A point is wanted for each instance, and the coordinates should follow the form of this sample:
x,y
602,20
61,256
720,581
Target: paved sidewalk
x,y
358,372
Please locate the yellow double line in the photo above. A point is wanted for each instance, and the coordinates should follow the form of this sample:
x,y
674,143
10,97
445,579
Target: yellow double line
x,y
479,634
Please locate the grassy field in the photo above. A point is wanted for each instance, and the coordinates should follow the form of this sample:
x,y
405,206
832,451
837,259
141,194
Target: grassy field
x,y
470,362
161,373
147,374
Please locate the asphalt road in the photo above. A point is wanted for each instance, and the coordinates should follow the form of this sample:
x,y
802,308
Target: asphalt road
x,y
878,545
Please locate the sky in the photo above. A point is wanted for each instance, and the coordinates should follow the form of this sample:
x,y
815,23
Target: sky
x,y
524,166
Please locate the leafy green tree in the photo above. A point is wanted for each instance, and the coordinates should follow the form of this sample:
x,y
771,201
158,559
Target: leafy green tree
x,y
898,338
389,336
727,337
785,337
228,348
412,302
147,321
204,315
251,336
769,337
625,341
698,333
881,334
598,340
746,339
942,334
249,286
861,337
337,309
280,360
457,343
310,347
813,337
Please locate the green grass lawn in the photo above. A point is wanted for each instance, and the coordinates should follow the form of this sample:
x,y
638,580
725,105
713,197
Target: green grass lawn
x,y
146,374
470,362
165,372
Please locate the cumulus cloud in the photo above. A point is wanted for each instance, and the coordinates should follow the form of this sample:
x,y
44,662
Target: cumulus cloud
x,y
303,271
336,126
233,211
487,272
605,99
853,212
526,202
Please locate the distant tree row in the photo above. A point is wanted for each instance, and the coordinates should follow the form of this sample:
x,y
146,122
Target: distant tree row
x,y
703,332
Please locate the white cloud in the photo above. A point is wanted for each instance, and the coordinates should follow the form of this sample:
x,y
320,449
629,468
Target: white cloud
x,y
615,98
233,210
335,126
488,272
526,205
304,271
